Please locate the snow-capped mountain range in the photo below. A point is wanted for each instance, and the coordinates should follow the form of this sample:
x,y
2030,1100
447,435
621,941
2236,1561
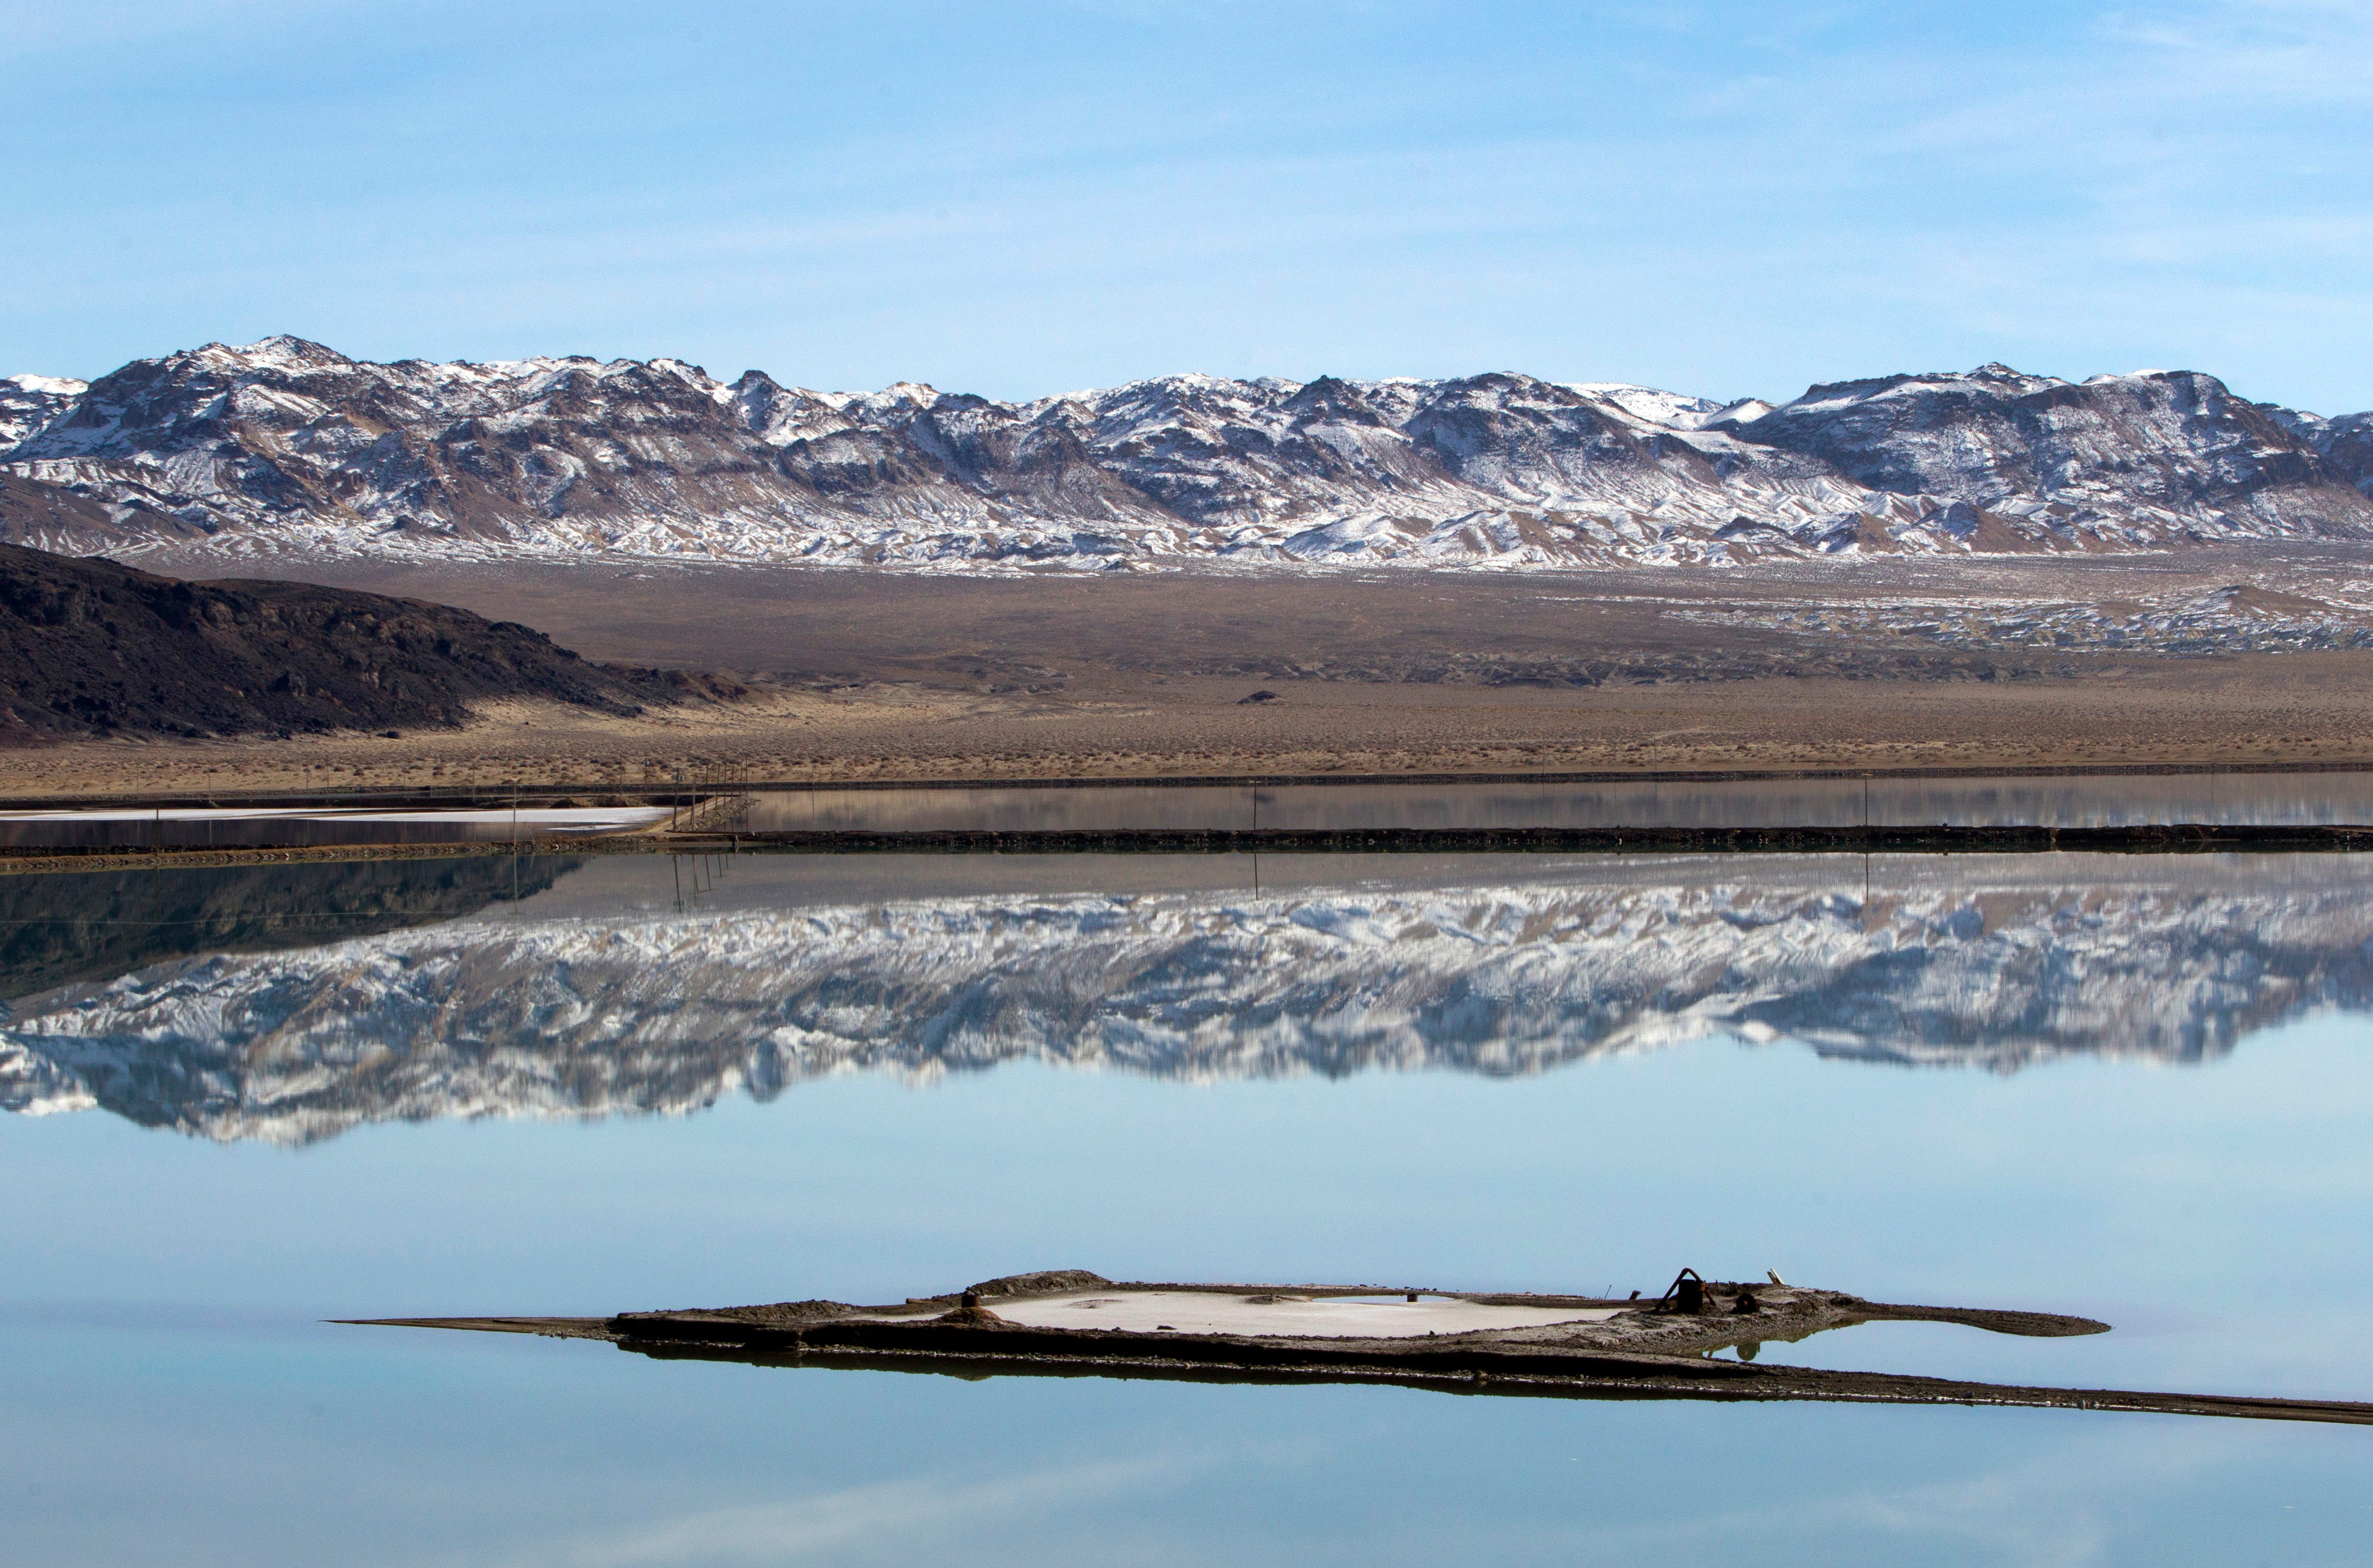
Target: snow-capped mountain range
x,y
287,447
1996,964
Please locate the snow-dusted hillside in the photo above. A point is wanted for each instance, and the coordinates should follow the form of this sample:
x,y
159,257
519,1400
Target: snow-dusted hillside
x,y
1982,964
286,447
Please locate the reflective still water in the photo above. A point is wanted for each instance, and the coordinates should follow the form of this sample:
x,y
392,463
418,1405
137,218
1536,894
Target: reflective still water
x,y
245,1101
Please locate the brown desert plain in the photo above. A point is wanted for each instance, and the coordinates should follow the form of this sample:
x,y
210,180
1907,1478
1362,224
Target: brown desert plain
x,y
2206,657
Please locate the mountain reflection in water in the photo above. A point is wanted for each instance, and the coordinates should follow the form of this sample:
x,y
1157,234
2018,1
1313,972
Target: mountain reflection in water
x,y
1497,966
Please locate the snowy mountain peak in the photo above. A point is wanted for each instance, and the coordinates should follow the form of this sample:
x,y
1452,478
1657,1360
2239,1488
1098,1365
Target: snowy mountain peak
x,y
282,350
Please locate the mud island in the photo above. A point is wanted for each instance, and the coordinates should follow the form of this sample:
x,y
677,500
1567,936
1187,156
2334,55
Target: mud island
x,y
1072,1323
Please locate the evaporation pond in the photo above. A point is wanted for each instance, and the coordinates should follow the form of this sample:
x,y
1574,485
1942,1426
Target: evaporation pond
x,y
243,1101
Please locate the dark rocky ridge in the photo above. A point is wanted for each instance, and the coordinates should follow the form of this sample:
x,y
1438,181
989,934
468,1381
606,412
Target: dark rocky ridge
x,y
92,647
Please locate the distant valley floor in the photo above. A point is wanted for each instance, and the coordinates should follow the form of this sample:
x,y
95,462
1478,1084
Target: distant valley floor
x,y
1950,665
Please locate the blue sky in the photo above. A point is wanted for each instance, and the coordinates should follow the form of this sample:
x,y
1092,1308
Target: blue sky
x,y
1721,198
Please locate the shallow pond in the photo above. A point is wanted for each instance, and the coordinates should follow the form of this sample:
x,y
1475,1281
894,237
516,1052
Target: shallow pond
x,y
246,1101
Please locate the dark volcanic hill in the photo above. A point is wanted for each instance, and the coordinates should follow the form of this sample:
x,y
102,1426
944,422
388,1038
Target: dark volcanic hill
x,y
91,647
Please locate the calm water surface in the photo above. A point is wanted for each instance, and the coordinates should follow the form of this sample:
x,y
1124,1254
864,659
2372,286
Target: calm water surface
x,y
2131,1087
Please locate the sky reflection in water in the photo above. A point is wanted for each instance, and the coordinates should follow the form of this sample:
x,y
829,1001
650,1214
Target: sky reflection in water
x,y
166,1390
